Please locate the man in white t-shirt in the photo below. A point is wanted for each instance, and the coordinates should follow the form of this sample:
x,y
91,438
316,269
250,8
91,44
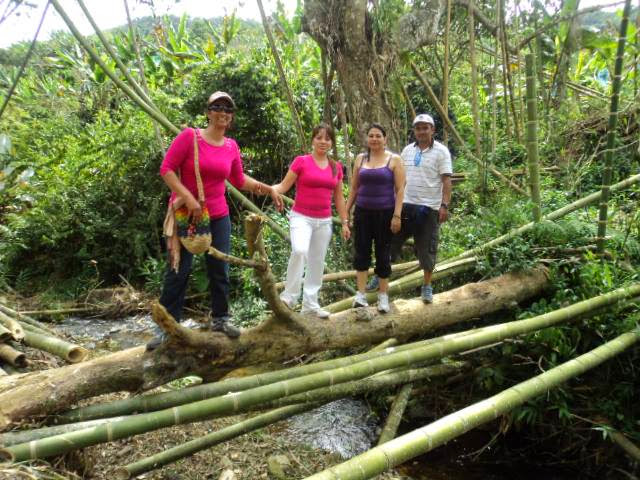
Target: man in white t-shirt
x,y
428,168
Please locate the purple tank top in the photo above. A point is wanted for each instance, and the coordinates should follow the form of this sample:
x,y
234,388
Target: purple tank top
x,y
376,188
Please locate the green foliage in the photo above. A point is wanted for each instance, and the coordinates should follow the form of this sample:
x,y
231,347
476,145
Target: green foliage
x,y
91,204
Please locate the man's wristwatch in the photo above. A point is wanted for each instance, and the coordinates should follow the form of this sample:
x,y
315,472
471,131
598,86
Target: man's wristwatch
x,y
444,205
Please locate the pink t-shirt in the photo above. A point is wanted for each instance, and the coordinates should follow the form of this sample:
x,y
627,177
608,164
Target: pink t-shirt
x,y
217,164
314,186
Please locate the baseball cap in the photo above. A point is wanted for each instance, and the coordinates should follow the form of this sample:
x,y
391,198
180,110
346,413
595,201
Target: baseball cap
x,y
423,118
218,95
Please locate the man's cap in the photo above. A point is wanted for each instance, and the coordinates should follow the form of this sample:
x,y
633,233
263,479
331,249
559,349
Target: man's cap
x,y
218,95
423,118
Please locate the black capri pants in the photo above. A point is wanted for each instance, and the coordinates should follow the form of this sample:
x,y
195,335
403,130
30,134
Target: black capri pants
x,y
372,226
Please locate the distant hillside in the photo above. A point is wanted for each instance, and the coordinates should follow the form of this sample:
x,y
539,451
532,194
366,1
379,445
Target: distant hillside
x,y
605,20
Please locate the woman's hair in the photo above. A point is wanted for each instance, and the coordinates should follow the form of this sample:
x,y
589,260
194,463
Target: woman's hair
x,y
331,134
378,127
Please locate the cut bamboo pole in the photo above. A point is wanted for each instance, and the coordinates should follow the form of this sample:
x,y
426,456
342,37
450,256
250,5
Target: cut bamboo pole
x,y
395,414
422,440
627,445
5,334
13,326
561,212
189,448
158,401
532,137
456,136
25,319
607,172
61,348
12,356
238,401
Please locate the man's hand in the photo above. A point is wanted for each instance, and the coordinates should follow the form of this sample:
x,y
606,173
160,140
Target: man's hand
x,y
443,214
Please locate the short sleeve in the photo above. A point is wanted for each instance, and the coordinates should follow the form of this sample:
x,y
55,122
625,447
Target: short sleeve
x,y
297,165
236,176
180,150
445,166
340,171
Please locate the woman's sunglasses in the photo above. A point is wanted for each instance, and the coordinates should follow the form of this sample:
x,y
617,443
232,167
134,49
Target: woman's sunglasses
x,y
220,108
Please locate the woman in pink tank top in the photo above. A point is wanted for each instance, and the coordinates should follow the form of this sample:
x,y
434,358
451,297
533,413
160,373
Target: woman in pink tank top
x,y
318,180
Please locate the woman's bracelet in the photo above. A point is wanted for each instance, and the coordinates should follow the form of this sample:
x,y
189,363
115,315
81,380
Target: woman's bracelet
x,y
345,221
395,215
259,189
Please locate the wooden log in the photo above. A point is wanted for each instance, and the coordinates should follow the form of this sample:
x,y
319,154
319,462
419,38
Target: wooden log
x,y
211,355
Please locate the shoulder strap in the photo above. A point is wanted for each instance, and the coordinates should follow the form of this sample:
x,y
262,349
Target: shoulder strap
x,y
389,159
196,166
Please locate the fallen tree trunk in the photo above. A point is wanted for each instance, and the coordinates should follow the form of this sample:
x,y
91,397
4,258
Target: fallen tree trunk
x,y
282,336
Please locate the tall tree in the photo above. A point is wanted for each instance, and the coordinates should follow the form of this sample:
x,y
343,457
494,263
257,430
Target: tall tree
x,y
364,46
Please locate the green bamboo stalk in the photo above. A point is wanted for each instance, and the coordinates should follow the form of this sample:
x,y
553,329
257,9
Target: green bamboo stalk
x,y
249,205
561,212
143,78
474,88
141,93
68,351
456,136
532,137
445,69
155,114
509,95
283,78
607,173
21,436
494,103
422,440
24,63
370,384
324,394
238,401
158,401
410,282
34,329
25,319
189,448
395,414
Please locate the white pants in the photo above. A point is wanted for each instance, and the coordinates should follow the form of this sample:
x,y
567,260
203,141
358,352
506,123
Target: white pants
x,y
309,242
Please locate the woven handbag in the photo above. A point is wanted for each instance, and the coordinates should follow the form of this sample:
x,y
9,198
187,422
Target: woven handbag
x,y
195,237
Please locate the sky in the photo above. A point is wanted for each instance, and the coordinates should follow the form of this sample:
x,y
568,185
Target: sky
x,y
111,13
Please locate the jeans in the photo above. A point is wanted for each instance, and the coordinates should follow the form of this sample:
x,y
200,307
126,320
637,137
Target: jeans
x,y
310,239
175,283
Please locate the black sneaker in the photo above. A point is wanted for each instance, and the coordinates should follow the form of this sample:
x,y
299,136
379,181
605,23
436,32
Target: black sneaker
x,y
224,325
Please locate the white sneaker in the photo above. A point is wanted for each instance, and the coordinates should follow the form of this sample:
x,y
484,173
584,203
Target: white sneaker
x,y
383,303
318,312
288,302
360,300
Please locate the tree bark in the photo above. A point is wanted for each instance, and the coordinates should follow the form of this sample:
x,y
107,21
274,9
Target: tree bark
x,y
364,56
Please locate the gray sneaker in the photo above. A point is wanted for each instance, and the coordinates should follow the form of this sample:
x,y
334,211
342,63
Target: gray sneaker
x,y
223,324
427,293
373,284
